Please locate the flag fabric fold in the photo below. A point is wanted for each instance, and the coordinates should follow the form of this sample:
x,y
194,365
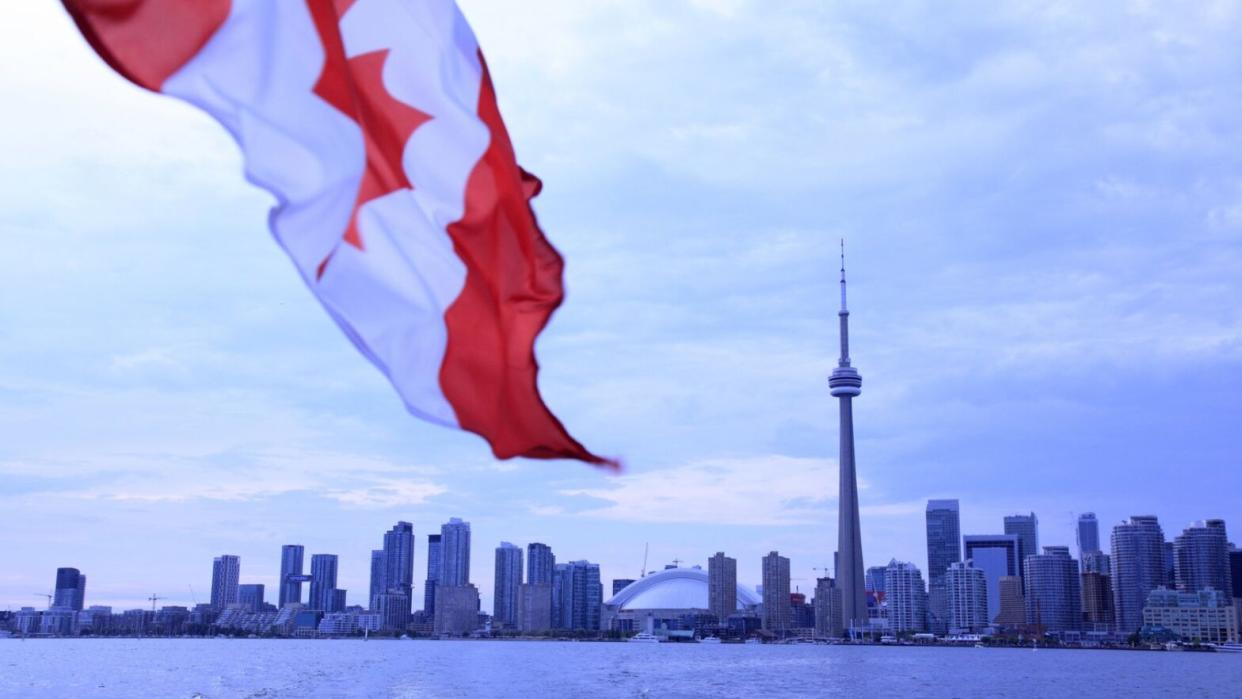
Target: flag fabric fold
x,y
375,125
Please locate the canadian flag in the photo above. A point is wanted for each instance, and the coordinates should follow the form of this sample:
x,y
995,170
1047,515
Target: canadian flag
x,y
374,123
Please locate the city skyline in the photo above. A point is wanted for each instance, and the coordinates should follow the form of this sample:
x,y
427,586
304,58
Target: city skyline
x,y
1044,237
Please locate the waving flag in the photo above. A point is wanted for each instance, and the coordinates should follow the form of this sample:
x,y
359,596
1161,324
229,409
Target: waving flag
x,y
400,200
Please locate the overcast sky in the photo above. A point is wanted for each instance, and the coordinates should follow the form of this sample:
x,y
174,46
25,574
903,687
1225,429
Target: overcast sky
x,y
1043,209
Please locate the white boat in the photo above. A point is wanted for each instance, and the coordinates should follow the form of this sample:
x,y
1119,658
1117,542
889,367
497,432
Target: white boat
x,y
643,637
1228,647
709,639
753,642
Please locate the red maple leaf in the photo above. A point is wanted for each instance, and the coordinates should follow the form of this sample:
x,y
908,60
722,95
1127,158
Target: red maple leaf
x,y
355,87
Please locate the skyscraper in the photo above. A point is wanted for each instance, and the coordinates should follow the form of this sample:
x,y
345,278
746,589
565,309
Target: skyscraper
x,y
539,564
721,586
1053,591
1012,611
997,556
906,597
224,573
1138,568
1201,558
399,560
828,609
454,553
323,582
250,597
874,580
433,573
944,548
844,384
966,591
70,591
1026,528
776,592
379,571
290,574
577,595
1097,600
508,579
1088,534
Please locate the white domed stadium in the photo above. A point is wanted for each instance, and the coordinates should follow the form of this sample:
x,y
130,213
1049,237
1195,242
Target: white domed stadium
x,y
670,595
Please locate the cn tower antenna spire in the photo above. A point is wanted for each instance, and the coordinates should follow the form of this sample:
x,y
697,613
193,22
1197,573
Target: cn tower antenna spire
x,y
843,308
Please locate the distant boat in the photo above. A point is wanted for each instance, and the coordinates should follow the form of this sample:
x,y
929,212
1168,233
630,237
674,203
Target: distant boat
x,y
1227,647
709,639
753,642
644,637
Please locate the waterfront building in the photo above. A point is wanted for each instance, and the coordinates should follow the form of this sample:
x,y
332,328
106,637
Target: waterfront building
x,y
1201,558
540,562
1053,591
801,614
507,580
1138,567
944,548
1204,616
323,583
1026,528
225,571
1097,600
95,619
57,621
454,553
673,598
70,590
399,559
722,586
250,597
828,609
534,607
966,593
577,595
844,385
873,581
1012,609
997,556
291,574
1088,534
619,584
457,609
379,571
776,592
906,597
433,573
394,610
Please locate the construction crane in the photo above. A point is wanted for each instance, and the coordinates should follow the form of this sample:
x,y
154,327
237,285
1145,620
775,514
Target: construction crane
x,y
153,599
49,597
646,546
192,595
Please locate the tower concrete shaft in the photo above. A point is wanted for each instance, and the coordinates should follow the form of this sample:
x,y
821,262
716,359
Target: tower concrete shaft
x,y
845,383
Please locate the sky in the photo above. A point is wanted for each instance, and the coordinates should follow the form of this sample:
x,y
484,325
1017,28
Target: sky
x,y
1042,204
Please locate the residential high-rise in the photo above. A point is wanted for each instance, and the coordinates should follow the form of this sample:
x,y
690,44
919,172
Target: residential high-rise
x,y
828,609
1138,568
1053,591
721,586
433,573
394,610
1012,612
1170,566
508,579
540,563
224,573
399,560
534,608
379,584
323,582
577,595
966,589
1097,600
1088,534
291,574
70,591
250,597
1235,576
457,609
906,597
776,592
1026,528
874,579
1201,557
619,584
844,384
1097,562
454,553
997,556
944,548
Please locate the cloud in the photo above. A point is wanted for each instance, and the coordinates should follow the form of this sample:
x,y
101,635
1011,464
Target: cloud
x,y
767,490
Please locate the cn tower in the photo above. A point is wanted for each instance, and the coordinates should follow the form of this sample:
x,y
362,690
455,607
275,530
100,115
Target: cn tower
x,y
845,383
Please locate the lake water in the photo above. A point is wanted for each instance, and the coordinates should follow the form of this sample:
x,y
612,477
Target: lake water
x,y
218,668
